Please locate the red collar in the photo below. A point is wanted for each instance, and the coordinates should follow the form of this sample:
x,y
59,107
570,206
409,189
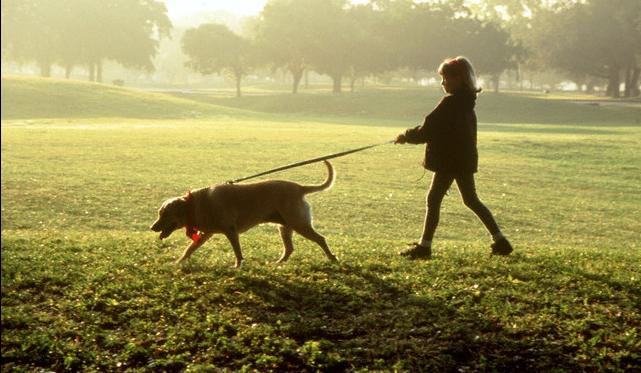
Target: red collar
x,y
190,227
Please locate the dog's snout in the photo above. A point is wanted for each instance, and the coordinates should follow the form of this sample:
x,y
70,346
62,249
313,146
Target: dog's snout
x,y
154,227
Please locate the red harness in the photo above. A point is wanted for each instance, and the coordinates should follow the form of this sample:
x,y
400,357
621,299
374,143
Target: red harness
x,y
190,227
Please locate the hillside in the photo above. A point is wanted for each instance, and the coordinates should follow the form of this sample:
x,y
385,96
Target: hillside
x,y
32,98
376,105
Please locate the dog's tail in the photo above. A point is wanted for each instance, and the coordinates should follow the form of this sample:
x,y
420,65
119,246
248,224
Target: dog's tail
x,y
326,185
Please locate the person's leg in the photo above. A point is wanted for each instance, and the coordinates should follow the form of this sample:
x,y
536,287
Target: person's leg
x,y
467,188
440,184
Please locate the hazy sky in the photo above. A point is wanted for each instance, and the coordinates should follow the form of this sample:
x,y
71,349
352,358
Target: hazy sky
x,y
182,8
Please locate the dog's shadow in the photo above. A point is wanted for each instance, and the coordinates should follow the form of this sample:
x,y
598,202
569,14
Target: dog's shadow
x,y
372,310
342,302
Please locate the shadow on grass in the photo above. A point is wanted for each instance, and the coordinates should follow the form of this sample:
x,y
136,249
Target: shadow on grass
x,y
602,281
459,313
376,319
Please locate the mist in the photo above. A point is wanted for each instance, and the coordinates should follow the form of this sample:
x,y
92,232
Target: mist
x,y
514,44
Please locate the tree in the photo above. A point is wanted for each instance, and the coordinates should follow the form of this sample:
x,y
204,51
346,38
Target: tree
x,y
138,26
134,28
71,32
514,17
281,34
429,32
212,48
371,49
491,49
30,32
597,38
327,32
425,35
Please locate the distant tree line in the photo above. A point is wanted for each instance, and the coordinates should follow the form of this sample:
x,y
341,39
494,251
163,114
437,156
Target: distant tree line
x,y
344,41
84,33
591,42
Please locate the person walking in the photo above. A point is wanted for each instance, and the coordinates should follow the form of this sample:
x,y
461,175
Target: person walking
x,y
450,134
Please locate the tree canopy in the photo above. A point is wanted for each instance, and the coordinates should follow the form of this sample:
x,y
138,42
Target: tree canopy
x,y
591,42
83,32
212,48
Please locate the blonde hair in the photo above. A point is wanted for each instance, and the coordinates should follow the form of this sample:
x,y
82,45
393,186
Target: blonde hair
x,y
462,68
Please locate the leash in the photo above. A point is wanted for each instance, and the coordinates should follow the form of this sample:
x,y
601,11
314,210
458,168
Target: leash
x,y
313,160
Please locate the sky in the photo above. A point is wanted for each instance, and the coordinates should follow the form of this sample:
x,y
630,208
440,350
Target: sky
x,y
181,8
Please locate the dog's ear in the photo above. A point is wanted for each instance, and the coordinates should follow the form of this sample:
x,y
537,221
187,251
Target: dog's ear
x,y
176,206
183,204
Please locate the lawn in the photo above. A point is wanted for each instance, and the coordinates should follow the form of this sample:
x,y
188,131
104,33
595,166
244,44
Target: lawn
x,y
86,285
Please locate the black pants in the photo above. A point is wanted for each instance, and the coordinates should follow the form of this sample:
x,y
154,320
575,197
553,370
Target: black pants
x,y
441,182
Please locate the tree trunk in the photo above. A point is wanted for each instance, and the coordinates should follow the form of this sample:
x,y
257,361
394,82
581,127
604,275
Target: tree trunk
x,y
238,78
589,87
68,68
92,72
614,81
99,71
45,69
635,90
519,77
297,74
632,82
337,86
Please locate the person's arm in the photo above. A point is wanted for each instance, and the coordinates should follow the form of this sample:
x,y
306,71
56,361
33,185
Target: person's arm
x,y
432,123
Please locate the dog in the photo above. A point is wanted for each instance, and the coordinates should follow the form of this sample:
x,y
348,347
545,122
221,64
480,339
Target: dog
x,y
232,209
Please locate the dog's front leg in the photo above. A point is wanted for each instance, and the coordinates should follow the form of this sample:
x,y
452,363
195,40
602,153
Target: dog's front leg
x,y
193,246
232,236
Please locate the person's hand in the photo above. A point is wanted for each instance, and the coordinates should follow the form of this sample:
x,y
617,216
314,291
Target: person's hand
x,y
400,139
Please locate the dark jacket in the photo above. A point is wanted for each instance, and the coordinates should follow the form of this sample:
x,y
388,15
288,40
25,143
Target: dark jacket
x,y
450,133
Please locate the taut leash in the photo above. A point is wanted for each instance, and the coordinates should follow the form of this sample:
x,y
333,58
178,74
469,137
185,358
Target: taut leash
x,y
313,160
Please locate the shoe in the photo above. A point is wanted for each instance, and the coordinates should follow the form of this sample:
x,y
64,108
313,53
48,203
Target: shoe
x,y
502,247
416,251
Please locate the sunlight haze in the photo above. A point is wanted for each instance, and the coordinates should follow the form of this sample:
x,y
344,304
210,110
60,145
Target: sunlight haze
x,y
182,8
320,185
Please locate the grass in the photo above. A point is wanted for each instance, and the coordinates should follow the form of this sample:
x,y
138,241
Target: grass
x,y
378,106
85,286
28,98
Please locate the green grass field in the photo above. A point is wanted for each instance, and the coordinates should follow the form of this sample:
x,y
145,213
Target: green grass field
x,y
86,286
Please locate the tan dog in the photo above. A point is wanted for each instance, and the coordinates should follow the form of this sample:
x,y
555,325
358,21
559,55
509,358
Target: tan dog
x,y
233,209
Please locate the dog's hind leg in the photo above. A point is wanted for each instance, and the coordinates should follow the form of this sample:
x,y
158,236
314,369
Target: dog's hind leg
x,y
288,245
193,246
232,236
309,233
299,218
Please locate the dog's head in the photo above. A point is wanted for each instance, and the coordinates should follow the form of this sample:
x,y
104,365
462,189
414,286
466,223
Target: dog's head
x,y
172,215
